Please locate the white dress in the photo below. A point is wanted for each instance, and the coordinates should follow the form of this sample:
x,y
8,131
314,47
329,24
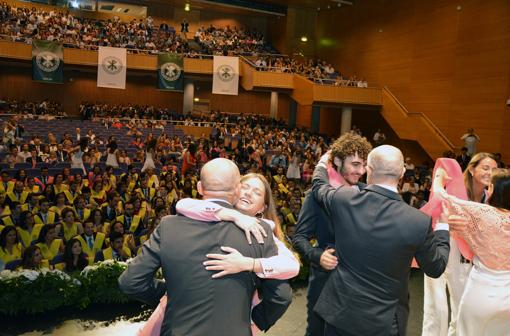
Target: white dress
x,y
484,309
77,161
293,171
149,162
111,159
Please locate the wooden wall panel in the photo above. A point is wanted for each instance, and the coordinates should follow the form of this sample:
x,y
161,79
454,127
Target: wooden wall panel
x,y
370,121
277,33
304,115
453,65
331,120
17,83
253,102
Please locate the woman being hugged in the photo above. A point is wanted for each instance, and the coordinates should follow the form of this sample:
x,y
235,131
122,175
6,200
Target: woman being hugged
x,y
255,200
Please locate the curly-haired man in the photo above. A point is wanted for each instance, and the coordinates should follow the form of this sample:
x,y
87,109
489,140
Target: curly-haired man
x,y
348,156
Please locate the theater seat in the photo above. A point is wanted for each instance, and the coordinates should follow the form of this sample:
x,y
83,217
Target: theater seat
x,y
12,265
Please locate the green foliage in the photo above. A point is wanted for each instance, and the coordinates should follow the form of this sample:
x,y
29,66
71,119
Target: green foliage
x,y
102,284
31,292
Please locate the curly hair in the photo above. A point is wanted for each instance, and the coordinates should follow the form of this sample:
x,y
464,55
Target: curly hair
x,y
350,144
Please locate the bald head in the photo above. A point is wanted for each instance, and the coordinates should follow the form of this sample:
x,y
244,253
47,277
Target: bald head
x,y
219,175
385,165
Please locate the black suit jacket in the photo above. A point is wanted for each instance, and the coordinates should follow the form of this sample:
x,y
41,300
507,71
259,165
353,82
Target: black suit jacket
x,y
376,237
314,222
197,303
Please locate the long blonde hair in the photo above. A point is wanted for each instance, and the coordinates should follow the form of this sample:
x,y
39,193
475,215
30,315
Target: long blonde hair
x,y
468,177
270,209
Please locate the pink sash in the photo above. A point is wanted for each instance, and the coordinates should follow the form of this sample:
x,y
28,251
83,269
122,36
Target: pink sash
x,y
454,187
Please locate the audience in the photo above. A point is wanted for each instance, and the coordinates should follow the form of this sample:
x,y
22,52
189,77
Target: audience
x,y
23,24
318,71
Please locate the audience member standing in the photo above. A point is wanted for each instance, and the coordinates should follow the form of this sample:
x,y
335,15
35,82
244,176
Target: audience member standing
x,y
470,141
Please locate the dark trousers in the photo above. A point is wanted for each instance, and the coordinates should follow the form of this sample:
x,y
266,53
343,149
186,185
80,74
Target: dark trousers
x,y
330,330
316,282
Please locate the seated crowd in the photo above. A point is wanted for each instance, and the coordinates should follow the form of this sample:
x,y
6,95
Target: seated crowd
x,y
30,109
219,41
59,214
23,24
319,71
67,218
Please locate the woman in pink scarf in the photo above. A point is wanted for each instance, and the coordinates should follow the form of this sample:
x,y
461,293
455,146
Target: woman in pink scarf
x,y
484,306
435,301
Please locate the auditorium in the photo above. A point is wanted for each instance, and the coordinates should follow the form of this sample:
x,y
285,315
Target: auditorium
x,y
233,167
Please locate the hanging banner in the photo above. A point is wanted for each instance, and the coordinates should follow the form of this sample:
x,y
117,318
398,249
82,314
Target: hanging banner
x,y
111,68
47,62
170,72
226,75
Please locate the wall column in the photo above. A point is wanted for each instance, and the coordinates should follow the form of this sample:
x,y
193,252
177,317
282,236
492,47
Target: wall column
x,y
189,95
292,113
273,110
346,120
316,118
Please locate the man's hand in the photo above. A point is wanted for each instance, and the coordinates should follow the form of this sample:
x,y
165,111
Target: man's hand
x,y
443,217
328,259
231,263
323,162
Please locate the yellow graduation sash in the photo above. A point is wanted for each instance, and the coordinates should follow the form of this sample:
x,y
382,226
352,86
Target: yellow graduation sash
x,y
98,244
108,253
70,232
28,237
50,252
6,257
50,218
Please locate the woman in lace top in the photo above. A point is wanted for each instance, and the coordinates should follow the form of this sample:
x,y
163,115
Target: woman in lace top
x,y
485,304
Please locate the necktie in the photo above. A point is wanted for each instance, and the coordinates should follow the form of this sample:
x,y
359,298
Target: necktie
x,y
128,222
90,242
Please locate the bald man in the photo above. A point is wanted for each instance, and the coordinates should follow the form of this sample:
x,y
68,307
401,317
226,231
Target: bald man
x,y
376,237
197,303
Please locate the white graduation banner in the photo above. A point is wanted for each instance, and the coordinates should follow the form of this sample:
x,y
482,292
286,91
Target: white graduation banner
x,y
111,68
226,75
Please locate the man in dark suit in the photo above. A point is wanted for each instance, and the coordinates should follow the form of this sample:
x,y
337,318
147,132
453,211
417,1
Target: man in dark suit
x,y
346,169
463,159
197,303
376,237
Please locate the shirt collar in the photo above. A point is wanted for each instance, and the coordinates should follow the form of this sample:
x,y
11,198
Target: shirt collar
x,y
218,200
388,187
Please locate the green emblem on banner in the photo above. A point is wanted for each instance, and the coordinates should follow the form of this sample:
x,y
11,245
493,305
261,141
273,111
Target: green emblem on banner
x,y
170,72
47,62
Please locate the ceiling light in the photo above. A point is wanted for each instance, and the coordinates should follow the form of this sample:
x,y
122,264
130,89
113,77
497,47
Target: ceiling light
x,y
304,39
187,7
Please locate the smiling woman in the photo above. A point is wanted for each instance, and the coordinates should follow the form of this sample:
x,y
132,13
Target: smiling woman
x,y
477,176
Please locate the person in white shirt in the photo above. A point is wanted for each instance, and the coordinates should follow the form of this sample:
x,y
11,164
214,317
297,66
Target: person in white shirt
x,y
470,141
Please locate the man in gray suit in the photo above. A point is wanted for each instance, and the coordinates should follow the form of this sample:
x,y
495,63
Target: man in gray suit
x,y
197,303
376,237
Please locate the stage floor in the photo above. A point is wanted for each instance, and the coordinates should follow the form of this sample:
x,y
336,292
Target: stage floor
x,y
293,322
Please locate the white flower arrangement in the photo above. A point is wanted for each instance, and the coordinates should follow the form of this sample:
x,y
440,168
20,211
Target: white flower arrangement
x,y
30,274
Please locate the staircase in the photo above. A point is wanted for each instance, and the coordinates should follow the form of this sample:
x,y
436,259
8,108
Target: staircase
x,y
414,126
